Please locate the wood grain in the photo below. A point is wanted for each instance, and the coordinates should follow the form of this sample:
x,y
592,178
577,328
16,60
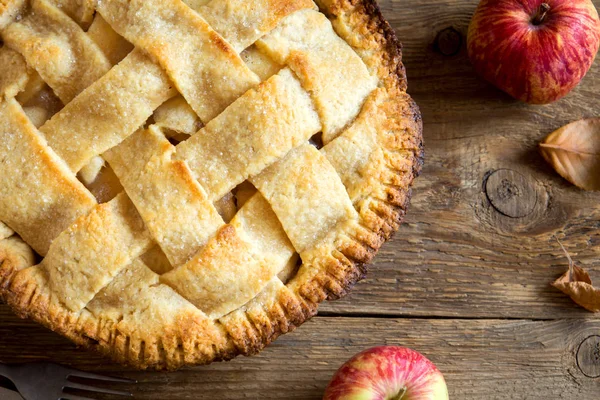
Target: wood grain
x,y
459,255
471,262
588,356
481,359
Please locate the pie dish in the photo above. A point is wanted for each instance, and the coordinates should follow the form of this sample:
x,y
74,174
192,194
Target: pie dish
x,y
183,181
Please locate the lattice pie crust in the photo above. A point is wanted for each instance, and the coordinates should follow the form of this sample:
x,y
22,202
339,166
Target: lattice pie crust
x,y
183,181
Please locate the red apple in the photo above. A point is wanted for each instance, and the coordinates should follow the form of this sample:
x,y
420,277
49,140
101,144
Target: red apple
x,y
535,50
387,373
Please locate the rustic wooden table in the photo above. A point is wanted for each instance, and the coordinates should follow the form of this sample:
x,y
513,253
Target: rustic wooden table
x,y
465,281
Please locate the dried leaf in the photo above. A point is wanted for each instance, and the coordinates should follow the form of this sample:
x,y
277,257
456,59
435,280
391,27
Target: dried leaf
x,y
574,152
580,290
577,284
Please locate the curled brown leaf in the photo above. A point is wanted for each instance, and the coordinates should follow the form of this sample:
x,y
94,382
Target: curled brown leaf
x,y
574,152
580,290
577,284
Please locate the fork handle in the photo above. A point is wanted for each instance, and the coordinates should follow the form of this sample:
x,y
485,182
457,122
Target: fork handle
x,y
5,370
6,394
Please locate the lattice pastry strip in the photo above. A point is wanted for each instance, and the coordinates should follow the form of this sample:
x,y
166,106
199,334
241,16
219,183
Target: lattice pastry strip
x,y
15,73
307,43
202,65
245,139
91,252
113,45
39,197
237,263
9,11
261,64
81,11
243,22
55,46
109,110
307,196
174,207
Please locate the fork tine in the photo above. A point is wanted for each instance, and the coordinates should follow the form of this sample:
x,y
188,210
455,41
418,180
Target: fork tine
x,y
89,375
80,386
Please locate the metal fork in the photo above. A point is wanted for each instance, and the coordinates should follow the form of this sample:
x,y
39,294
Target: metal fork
x,y
46,381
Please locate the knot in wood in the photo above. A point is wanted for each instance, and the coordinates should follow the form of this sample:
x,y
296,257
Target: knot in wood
x,y
511,193
507,190
588,356
448,41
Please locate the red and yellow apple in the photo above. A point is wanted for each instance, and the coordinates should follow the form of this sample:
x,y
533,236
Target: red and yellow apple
x,y
535,50
387,373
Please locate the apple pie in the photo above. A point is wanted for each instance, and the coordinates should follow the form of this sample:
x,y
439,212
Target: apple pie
x,y
184,181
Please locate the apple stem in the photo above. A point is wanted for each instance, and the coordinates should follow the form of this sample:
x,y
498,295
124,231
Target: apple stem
x,y
400,394
540,15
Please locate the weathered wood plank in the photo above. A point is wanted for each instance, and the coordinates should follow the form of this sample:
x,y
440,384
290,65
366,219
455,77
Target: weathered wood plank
x,y
481,359
458,255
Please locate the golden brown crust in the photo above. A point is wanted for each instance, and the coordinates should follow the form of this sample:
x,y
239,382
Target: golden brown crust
x,y
15,255
279,308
